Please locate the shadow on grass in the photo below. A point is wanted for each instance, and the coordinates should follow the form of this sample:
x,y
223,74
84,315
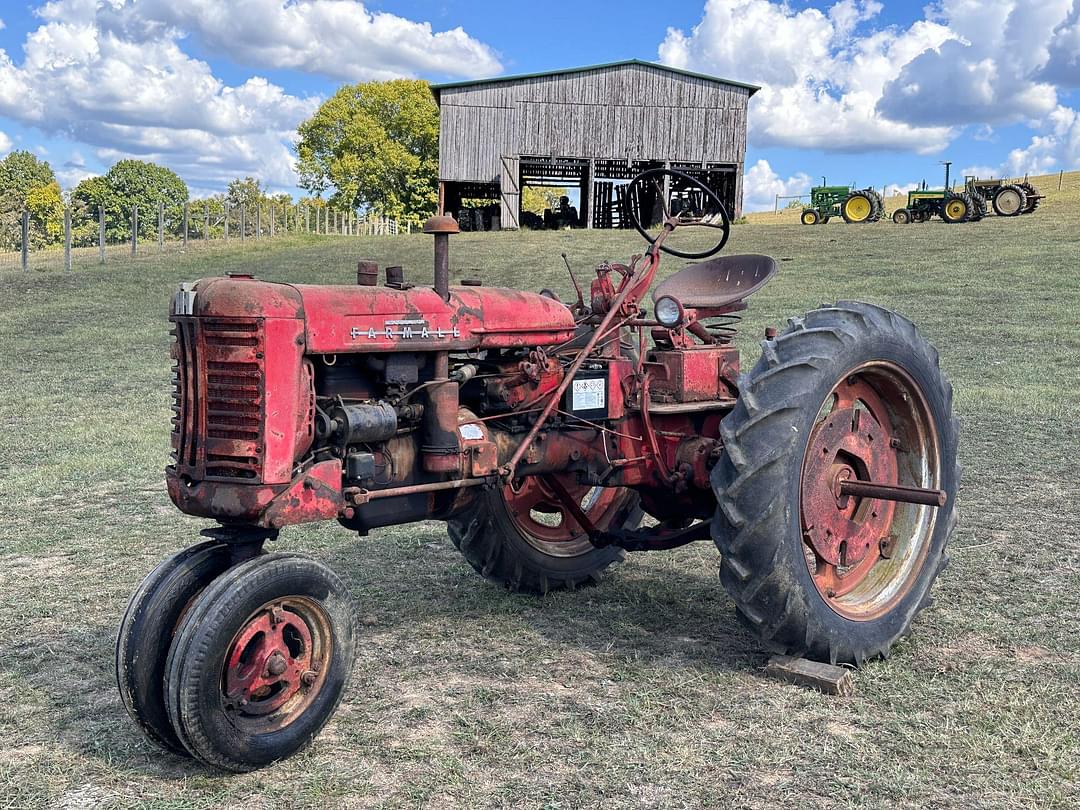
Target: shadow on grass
x,y
654,617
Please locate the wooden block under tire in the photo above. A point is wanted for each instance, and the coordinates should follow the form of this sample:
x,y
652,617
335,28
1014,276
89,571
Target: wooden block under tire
x,y
827,678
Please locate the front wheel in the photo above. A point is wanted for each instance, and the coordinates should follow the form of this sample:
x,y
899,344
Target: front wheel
x,y
260,661
851,391
522,537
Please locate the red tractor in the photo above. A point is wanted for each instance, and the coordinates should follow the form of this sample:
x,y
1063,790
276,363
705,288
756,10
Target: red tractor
x,y
542,434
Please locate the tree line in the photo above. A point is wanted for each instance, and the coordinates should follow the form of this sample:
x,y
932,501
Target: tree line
x,y
372,147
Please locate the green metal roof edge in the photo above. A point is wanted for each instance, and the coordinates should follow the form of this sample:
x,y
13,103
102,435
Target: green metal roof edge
x,y
436,88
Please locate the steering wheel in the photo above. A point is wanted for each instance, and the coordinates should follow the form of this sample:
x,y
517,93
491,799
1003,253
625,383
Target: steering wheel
x,y
684,217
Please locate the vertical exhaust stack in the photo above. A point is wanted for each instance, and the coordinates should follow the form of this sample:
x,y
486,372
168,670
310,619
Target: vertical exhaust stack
x,y
441,228
441,450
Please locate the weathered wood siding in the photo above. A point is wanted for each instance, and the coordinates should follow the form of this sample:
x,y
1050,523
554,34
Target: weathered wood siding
x,y
627,111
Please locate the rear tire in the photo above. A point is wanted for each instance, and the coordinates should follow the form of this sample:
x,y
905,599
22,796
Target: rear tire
x,y
762,495
500,538
955,208
147,630
1010,201
260,661
858,207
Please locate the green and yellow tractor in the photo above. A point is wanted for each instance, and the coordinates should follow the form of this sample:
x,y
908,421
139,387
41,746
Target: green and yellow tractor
x,y
854,205
952,206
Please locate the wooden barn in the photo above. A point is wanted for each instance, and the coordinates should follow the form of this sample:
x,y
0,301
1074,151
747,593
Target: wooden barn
x,y
588,130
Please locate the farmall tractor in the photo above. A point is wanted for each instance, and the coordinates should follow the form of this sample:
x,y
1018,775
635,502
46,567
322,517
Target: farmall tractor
x,y
542,434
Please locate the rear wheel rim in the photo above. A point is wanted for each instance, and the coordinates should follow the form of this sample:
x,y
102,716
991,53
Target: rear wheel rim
x,y
1008,202
545,523
858,208
956,209
276,664
865,555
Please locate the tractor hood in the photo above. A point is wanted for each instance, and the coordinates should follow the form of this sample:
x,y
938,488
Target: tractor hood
x,y
342,319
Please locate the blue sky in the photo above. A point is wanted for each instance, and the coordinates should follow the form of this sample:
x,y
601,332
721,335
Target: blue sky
x,y
861,91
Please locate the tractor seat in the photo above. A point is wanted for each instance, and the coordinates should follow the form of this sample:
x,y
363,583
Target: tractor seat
x,y
718,282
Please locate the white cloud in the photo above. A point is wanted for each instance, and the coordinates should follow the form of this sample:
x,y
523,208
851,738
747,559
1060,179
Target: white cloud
x,y
838,79
821,78
761,185
337,38
1058,147
988,72
114,75
5,143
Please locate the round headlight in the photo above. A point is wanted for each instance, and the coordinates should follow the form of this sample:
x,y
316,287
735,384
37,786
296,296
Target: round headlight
x,y
669,312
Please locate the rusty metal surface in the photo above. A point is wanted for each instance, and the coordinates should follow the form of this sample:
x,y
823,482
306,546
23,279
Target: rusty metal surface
x,y
275,665
718,282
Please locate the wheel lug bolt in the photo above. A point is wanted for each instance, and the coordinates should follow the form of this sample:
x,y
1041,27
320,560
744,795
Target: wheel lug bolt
x,y
308,678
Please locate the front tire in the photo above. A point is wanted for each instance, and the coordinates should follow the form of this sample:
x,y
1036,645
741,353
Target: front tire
x,y
520,537
788,547
147,630
260,661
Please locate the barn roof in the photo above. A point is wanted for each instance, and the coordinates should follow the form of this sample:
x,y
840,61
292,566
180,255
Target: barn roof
x,y
436,88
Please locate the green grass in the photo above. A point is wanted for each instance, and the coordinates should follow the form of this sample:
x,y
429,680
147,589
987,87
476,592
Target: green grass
x,y
642,692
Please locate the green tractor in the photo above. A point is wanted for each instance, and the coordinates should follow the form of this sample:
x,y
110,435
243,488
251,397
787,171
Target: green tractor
x,y
1008,199
952,206
854,205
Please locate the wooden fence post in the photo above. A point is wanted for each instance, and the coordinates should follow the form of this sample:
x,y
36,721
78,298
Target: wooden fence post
x,y
307,220
243,222
206,221
101,233
134,230
258,221
67,239
271,221
26,240
226,222
160,226
186,212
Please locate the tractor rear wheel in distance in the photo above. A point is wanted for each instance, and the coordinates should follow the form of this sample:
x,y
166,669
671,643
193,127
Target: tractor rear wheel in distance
x,y
260,661
1010,201
520,535
955,209
147,629
857,207
851,391
901,216
809,217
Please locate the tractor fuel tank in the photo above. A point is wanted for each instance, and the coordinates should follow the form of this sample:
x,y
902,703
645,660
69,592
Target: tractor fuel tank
x,y
342,319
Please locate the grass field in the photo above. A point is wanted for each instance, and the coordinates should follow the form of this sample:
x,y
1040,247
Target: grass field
x,y
642,692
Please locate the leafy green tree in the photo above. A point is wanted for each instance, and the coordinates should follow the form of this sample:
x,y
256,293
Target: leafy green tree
x,y
248,192
376,144
132,183
537,198
20,174
46,207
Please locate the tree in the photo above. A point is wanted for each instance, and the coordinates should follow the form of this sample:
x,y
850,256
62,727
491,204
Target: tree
x,y
247,192
537,198
46,207
20,174
377,145
132,183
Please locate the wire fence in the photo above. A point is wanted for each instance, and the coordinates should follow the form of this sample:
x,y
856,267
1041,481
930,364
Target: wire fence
x,y
100,236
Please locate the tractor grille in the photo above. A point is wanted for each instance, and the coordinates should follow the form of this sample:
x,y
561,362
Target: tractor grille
x,y
218,398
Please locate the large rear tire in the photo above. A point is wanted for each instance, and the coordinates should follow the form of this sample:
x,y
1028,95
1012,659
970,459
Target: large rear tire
x,y
1010,201
146,633
851,390
520,537
858,207
955,208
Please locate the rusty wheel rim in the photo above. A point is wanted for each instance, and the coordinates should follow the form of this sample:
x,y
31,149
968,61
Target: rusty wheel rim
x,y
544,522
864,554
276,664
